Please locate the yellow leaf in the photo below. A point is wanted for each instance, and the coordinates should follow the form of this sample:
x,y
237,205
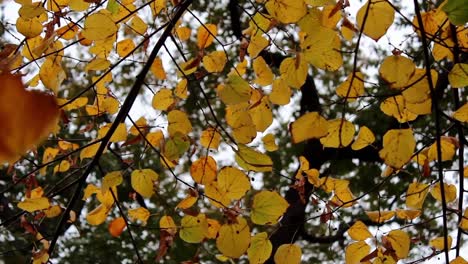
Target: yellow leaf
x,y
205,35
310,125
75,104
396,106
243,127
31,10
233,183
203,170
288,254
294,71
143,181
280,92
256,45
352,88
458,260
215,61
267,208
111,180
398,147
157,6
183,33
68,31
181,89
330,20
262,71
99,26
140,126
52,74
216,196
138,25
286,11
397,70
53,211
139,213
250,159
447,148
464,222
106,198
34,204
416,194
98,64
210,138
178,122
155,138
193,228
125,47
89,151
378,18
27,117
163,100
458,76
269,142
359,231
340,134
213,228
187,202
380,216
438,243
260,248
236,90
450,191
29,27
234,238
408,214
63,166
157,69
400,242
461,114
261,114
364,138
98,215
168,224
78,5
321,48
117,226
120,133
356,251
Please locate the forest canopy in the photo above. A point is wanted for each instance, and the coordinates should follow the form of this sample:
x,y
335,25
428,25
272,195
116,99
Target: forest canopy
x,y
267,131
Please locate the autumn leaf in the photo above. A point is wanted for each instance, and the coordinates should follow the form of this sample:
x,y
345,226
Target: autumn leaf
x,y
267,208
398,146
143,181
374,18
260,248
117,226
193,228
27,117
233,239
355,252
288,254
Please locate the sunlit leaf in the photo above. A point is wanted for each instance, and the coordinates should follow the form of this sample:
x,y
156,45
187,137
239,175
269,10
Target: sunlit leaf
x,y
374,18
205,35
140,213
400,242
168,224
398,147
359,231
450,192
267,207
143,181
260,248
178,122
234,238
236,90
356,251
163,100
193,228
340,134
416,194
286,11
397,70
438,243
99,26
215,61
27,117
364,138
233,183
352,87
458,76
462,113
288,254
204,170
380,216
98,215
251,159
310,125
111,179
34,204
117,226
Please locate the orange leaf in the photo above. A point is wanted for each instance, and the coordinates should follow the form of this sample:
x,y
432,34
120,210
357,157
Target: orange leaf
x,y
27,117
117,226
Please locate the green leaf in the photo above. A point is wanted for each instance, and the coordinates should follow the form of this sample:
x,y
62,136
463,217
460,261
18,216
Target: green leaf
x,y
457,11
